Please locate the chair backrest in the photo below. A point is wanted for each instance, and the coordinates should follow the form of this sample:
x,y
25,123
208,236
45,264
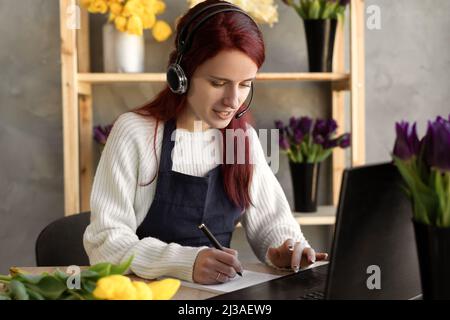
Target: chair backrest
x,y
61,242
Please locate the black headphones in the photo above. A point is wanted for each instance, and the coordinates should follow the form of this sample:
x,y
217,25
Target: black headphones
x,y
175,76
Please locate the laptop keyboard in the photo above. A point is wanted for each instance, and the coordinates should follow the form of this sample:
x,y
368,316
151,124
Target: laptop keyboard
x,y
313,295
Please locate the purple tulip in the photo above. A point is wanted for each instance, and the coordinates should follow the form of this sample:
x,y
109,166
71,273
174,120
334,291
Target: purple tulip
x,y
284,142
323,131
331,143
436,144
407,143
298,136
293,123
305,124
325,128
101,133
345,140
319,140
279,124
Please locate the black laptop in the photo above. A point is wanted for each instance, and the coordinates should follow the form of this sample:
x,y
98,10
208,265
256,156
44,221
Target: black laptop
x,y
373,255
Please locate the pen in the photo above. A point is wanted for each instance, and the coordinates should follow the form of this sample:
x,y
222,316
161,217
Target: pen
x,y
213,240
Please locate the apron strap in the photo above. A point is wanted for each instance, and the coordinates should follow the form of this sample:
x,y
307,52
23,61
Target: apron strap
x,y
167,146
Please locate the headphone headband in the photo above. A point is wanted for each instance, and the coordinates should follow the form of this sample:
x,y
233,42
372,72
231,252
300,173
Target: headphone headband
x,y
183,41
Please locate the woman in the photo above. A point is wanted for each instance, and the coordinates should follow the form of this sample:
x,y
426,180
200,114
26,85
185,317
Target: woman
x,y
150,192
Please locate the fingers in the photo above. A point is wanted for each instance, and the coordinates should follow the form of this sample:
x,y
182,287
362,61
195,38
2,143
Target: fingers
x,y
289,245
320,256
296,257
220,277
229,258
274,255
311,255
231,251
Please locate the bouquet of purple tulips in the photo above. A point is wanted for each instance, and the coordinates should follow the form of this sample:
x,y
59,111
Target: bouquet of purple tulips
x,y
101,133
308,141
425,167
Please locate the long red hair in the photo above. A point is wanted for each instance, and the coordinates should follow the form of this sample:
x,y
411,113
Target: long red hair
x,y
224,31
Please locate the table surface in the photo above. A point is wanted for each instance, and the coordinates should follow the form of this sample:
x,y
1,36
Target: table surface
x,y
184,293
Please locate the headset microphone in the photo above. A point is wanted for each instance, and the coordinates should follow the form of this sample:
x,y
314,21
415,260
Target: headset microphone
x,y
240,114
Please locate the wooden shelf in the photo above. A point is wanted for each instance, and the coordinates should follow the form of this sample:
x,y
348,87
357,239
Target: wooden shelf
x,y
97,78
325,215
78,102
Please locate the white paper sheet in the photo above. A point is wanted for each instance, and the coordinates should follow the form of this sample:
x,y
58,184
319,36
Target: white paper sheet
x,y
249,278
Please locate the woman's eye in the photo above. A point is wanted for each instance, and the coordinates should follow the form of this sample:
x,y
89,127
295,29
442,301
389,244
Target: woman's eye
x,y
217,84
247,85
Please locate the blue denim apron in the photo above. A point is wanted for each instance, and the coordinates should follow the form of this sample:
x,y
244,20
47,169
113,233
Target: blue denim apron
x,y
182,202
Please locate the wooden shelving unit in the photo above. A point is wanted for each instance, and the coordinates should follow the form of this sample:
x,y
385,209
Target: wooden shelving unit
x,y
77,82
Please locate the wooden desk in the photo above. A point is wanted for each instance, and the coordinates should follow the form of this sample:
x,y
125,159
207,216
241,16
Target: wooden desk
x,y
184,293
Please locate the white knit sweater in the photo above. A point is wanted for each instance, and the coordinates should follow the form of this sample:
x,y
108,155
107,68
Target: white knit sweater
x,y
119,204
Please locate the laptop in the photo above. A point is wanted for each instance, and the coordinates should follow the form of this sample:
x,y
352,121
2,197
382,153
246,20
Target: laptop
x,y
373,255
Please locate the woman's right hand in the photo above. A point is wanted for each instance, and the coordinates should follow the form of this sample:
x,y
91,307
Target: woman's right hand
x,y
214,266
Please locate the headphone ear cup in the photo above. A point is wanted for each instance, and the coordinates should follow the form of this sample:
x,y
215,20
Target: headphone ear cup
x,y
176,79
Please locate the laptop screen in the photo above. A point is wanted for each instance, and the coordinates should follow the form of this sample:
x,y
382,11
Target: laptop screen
x,y
374,253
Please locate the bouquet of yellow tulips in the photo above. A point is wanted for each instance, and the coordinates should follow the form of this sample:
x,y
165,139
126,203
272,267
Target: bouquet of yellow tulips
x,y
102,281
133,16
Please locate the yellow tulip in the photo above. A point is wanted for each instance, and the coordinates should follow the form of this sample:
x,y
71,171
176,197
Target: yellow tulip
x,y
98,6
133,7
143,291
161,31
116,8
115,287
121,23
118,287
148,20
160,7
135,25
164,289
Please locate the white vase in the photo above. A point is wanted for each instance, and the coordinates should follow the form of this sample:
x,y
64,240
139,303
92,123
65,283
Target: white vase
x,y
122,52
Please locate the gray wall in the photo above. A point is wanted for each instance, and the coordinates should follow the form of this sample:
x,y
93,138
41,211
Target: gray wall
x,y
31,167
407,69
407,73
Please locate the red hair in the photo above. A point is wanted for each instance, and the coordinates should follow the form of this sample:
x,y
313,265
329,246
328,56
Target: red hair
x,y
224,31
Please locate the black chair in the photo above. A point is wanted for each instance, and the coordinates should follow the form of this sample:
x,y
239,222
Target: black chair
x,y
61,242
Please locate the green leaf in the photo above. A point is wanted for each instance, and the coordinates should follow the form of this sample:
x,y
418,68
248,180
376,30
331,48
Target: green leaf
x,y
304,4
423,198
88,285
62,276
4,296
29,278
34,295
301,12
103,269
121,268
314,10
90,274
323,155
18,290
49,287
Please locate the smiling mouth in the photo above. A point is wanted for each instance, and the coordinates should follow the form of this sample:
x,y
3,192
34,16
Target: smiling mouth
x,y
223,114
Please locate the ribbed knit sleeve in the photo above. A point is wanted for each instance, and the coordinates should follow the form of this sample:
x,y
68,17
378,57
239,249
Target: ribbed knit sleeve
x,y
111,235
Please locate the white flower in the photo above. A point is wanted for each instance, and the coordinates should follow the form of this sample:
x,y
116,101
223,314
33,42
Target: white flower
x,y
263,11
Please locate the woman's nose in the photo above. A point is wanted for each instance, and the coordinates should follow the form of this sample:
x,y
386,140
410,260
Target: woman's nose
x,y
232,98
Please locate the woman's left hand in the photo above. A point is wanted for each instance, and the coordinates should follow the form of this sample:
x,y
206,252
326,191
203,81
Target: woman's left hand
x,y
289,255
